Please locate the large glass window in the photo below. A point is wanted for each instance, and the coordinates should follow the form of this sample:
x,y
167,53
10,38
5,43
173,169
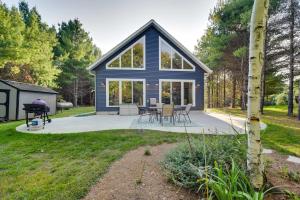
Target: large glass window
x,y
113,93
165,56
126,59
188,92
138,91
125,91
133,57
170,59
115,63
177,92
187,65
138,55
176,61
166,92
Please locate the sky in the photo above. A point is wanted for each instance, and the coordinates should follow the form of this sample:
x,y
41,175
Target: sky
x,y
111,21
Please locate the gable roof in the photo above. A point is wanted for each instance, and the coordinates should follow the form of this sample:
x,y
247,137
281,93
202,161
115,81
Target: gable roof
x,y
28,87
142,29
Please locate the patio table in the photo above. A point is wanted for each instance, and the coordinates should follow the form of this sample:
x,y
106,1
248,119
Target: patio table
x,y
155,111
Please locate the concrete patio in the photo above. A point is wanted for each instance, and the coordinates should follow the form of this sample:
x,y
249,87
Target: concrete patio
x,y
209,123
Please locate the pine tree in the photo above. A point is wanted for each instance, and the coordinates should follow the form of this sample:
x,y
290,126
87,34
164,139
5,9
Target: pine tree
x,y
73,54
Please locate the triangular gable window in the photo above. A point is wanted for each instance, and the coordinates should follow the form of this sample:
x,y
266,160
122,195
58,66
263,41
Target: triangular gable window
x,y
131,58
171,60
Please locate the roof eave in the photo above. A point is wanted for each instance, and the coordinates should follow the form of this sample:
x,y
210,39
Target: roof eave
x,y
168,35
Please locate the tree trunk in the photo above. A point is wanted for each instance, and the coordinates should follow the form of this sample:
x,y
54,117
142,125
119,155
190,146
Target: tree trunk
x,y
218,91
233,92
256,60
224,89
263,74
75,98
291,73
212,91
245,86
263,88
299,100
208,92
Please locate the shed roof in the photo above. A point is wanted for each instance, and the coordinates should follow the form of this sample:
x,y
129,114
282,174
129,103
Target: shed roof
x,y
142,29
28,87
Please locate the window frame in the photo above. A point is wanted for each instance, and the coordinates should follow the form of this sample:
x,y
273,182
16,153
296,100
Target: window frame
x,y
172,52
124,51
120,90
182,81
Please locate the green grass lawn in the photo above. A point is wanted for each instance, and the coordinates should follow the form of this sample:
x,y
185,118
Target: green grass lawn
x,y
282,133
45,166
36,166
75,111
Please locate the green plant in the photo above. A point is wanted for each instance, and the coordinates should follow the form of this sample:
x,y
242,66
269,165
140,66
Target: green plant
x,y
147,152
185,168
281,99
139,181
294,176
284,171
292,195
233,184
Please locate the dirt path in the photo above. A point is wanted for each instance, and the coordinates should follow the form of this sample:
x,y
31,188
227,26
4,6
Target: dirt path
x,y
278,169
138,177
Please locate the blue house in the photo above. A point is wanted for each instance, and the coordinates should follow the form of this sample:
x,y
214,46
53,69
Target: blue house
x,y
150,63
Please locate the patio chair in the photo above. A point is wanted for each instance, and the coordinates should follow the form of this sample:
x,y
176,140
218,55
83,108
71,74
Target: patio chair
x,y
145,112
185,113
152,102
167,111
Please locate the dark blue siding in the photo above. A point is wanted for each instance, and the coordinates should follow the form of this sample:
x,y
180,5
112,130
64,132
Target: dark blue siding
x,y
151,74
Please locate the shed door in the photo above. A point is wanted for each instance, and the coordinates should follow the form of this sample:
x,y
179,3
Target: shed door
x,y
4,104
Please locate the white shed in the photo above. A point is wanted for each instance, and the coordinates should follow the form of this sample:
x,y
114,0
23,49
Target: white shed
x,y
14,94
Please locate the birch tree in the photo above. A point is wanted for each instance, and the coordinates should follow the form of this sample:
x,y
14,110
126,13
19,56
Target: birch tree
x,y
256,60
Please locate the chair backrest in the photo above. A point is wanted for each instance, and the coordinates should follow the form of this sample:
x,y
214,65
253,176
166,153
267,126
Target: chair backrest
x,y
167,110
188,108
152,101
159,105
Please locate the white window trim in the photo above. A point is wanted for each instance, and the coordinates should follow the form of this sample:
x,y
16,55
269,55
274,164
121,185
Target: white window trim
x,y
120,54
182,81
172,51
120,90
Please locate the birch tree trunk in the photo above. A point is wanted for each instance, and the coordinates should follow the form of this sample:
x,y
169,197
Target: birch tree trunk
x,y
256,60
263,74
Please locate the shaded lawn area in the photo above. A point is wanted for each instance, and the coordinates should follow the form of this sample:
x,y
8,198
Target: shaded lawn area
x,y
36,166
74,111
282,133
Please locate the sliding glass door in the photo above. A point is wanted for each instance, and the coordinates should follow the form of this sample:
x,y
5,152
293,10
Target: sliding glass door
x,y
179,92
122,91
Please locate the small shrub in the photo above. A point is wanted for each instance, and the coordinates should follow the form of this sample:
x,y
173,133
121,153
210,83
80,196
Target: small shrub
x,y
147,152
188,166
294,176
284,171
281,99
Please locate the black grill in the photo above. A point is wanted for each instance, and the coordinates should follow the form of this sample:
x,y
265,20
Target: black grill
x,y
37,110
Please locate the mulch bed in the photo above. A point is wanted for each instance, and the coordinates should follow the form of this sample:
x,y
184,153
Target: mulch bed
x,y
277,168
139,177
